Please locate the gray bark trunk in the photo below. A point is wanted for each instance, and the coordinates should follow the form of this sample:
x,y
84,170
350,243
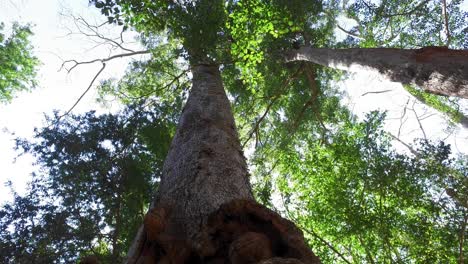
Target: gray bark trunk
x,y
204,211
205,166
437,70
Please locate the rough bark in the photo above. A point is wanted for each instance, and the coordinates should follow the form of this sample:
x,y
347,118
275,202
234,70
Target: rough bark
x,y
205,166
437,70
205,196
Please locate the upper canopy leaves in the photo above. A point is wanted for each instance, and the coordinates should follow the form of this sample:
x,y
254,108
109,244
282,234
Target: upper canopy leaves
x,y
17,63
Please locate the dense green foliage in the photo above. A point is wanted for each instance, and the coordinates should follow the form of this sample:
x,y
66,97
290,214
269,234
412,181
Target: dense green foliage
x,y
355,197
372,204
96,180
17,63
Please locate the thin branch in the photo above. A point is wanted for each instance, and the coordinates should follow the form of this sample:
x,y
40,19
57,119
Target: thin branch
x,y
330,246
257,124
117,56
377,92
84,93
276,97
168,85
99,35
419,121
446,22
368,253
312,232
402,121
407,13
310,74
349,32
371,9
410,148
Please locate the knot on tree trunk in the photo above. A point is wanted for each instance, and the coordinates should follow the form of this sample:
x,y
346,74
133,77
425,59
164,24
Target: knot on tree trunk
x,y
243,231
239,232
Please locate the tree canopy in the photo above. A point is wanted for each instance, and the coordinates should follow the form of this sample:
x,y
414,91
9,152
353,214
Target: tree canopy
x,y
18,64
355,197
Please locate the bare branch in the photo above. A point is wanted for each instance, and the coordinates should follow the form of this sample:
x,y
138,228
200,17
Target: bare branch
x,y
377,92
117,56
419,120
84,93
410,148
94,29
349,32
402,116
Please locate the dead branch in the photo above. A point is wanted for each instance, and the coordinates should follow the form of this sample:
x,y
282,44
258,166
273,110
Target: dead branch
x,y
410,148
92,32
349,32
377,92
402,121
419,120
84,93
95,33
104,60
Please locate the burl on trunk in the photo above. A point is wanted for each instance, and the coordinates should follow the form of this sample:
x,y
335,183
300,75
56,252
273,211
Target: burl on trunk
x,y
204,211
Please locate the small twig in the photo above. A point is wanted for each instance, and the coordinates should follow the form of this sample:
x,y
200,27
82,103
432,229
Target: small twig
x,y
257,124
371,9
349,32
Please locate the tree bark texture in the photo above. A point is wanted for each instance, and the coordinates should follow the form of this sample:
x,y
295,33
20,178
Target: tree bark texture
x,y
205,166
204,211
437,70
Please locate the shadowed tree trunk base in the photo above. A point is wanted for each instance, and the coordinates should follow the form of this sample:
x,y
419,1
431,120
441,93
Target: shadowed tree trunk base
x,y
240,231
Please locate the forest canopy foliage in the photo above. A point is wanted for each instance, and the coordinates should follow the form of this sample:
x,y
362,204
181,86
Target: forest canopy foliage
x,y
18,65
355,197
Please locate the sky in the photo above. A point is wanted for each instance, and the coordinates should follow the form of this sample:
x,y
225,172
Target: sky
x,y
57,89
53,44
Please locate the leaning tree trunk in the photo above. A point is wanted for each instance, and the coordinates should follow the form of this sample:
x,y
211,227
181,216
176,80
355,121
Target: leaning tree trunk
x,y
437,70
204,211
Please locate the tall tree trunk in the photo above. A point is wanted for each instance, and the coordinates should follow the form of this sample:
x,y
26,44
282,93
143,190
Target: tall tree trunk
x,y
204,211
437,70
